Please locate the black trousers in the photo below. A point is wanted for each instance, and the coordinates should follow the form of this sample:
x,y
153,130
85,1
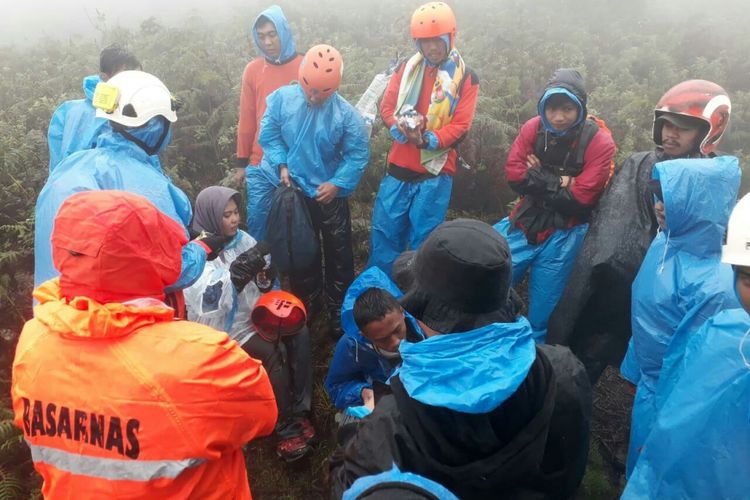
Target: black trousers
x,y
289,369
331,278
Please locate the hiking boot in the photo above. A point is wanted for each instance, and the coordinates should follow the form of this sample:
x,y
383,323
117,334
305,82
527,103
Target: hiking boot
x,y
292,449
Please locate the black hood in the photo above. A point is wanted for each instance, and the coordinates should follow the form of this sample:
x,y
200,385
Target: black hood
x,y
571,80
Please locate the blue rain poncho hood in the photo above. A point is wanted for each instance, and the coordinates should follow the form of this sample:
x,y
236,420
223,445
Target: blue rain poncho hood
x,y
371,278
392,481
277,17
470,372
152,137
567,82
699,195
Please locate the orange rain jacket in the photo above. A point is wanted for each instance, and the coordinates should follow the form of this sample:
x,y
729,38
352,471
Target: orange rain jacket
x,y
119,400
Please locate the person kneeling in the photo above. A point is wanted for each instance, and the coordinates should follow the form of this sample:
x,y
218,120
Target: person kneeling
x,y
366,355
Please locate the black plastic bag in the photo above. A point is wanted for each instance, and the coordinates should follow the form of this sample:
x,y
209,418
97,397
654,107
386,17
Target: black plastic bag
x,y
593,314
290,232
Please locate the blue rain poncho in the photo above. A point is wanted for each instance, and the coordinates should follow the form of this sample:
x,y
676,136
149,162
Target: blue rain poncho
x,y
699,446
681,282
325,143
393,481
115,163
213,300
74,125
356,364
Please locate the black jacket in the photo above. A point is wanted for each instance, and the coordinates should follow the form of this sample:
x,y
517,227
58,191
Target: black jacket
x,y
593,314
534,445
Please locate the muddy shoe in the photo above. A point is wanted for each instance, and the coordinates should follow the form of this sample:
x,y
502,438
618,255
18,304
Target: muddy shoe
x,y
292,449
308,431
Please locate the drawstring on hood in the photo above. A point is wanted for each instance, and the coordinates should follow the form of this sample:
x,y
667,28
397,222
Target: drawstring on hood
x,y
152,137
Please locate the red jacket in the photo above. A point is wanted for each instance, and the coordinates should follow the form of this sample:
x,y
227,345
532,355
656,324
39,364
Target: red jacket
x,y
570,205
408,155
259,79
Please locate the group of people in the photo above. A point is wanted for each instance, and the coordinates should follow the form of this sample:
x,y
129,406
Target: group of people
x,y
162,342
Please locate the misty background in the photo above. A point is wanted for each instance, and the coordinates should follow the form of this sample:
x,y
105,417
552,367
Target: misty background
x,y
629,51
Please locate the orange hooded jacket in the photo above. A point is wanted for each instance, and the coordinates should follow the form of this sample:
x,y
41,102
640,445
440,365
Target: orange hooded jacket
x,y
116,399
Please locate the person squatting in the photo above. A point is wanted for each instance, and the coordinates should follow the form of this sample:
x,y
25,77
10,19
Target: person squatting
x,y
443,389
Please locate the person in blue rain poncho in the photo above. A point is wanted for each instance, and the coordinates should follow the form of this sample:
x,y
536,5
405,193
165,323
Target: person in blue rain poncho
x,y
374,325
313,138
699,446
476,406
74,125
138,128
396,485
277,65
681,282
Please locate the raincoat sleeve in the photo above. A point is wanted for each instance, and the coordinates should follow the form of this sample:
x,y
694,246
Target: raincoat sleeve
x,y
233,401
463,115
55,135
248,121
355,152
521,178
275,150
193,262
345,379
388,103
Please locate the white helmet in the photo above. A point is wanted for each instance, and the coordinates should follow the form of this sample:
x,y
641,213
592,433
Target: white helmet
x,y
132,98
737,249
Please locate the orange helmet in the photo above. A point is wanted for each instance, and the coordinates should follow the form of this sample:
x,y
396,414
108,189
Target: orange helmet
x,y
433,20
278,314
699,99
321,70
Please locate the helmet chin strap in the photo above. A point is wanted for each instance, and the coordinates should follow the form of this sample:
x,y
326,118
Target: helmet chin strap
x,y
150,150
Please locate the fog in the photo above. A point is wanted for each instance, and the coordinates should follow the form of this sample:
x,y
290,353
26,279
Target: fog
x,y
23,22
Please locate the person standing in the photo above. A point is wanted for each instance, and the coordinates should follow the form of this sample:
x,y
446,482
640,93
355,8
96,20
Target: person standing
x,y
277,65
428,107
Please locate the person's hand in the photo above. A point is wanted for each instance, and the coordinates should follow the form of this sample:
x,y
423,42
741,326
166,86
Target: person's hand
x,y
284,175
248,264
368,398
326,193
239,176
565,181
415,137
661,217
213,244
532,161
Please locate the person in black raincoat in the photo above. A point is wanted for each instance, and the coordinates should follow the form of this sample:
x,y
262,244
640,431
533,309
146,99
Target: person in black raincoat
x,y
593,314
484,412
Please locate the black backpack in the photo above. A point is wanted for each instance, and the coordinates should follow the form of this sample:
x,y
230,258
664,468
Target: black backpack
x,y
572,162
290,232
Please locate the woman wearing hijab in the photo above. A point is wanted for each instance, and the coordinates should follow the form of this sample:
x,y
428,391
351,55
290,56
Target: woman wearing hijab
x,y
224,297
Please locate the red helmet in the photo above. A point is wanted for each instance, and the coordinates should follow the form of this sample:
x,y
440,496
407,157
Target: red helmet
x,y
278,314
433,20
321,70
700,99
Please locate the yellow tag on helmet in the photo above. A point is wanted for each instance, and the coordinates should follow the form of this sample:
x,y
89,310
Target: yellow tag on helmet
x,y
106,97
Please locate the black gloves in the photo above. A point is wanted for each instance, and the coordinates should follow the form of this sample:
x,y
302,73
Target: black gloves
x,y
215,243
248,264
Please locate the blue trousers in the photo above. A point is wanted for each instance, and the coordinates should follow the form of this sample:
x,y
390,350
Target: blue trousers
x,y
405,213
549,264
259,197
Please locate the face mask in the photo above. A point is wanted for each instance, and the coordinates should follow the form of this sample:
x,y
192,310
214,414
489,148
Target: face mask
x,y
387,354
